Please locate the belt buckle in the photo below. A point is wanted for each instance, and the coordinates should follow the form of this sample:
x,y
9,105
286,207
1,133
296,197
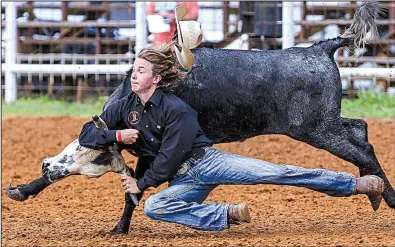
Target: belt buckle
x,y
183,168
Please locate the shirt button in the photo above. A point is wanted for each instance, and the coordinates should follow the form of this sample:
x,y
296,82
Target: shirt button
x,y
152,139
146,126
145,111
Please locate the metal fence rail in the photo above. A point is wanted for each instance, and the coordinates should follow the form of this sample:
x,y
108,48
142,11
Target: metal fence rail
x,y
119,69
48,69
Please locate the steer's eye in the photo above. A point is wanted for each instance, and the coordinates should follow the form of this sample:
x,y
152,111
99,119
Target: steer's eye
x,y
79,148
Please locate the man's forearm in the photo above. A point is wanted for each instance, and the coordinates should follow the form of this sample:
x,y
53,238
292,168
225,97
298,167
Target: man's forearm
x,y
91,137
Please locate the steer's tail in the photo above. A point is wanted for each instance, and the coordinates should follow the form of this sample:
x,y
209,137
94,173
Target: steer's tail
x,y
362,29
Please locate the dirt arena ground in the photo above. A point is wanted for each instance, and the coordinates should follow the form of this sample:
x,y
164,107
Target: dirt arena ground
x,y
80,212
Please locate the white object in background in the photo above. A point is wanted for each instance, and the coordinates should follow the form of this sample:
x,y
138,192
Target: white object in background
x,y
391,92
318,3
76,18
367,72
40,37
365,83
141,27
288,25
241,43
211,21
304,44
10,52
232,19
45,14
126,33
46,3
332,31
156,24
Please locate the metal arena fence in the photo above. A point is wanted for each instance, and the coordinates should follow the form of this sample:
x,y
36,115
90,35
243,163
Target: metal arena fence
x,y
73,50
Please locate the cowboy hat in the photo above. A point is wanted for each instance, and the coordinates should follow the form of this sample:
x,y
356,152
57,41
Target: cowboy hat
x,y
189,36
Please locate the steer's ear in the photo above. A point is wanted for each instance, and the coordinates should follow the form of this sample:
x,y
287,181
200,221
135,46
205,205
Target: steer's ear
x,y
100,124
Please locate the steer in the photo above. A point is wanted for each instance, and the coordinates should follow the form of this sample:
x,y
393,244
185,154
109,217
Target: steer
x,y
240,94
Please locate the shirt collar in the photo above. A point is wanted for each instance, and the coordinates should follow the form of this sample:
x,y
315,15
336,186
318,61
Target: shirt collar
x,y
154,99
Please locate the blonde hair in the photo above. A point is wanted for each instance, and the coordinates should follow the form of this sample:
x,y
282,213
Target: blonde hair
x,y
164,63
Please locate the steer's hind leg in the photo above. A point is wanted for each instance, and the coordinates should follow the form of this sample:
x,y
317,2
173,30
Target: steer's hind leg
x,y
340,141
358,128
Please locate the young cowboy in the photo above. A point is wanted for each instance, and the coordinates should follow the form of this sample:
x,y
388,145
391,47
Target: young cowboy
x,y
164,133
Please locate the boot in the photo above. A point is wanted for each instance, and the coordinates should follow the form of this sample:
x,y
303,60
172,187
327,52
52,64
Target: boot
x,y
373,187
238,213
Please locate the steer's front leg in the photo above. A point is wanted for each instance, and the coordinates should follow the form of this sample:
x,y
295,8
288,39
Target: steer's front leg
x,y
124,223
22,192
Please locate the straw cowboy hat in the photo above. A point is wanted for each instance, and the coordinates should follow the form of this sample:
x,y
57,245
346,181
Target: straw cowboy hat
x,y
189,36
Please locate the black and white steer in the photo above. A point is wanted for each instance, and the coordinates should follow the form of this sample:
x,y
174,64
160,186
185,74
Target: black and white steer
x,y
75,160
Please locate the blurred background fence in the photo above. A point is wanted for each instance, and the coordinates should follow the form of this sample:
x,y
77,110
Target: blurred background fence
x,y
89,34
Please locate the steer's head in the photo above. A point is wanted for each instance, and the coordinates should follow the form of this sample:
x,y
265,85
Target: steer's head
x,y
76,159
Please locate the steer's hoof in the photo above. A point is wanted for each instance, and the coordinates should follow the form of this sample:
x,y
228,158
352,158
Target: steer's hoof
x,y
376,196
375,201
15,194
120,229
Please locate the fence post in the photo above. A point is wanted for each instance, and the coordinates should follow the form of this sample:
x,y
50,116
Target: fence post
x,y
10,56
288,25
50,85
141,27
80,89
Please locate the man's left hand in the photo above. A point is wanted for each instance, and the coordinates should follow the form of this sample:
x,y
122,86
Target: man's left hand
x,y
129,184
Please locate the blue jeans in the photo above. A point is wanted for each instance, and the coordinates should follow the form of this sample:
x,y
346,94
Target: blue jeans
x,y
182,201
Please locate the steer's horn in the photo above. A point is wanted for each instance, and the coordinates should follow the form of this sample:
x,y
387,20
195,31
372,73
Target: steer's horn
x,y
100,124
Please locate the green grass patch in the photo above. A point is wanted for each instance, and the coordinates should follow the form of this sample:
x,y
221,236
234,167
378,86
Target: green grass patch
x,y
45,106
369,104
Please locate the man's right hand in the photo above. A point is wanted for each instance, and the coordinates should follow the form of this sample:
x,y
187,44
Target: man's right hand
x,y
129,136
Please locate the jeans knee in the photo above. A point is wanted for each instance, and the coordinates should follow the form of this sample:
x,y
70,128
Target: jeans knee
x,y
150,207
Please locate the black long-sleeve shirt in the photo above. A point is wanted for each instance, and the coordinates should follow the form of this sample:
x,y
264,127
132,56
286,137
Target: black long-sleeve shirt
x,y
169,133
